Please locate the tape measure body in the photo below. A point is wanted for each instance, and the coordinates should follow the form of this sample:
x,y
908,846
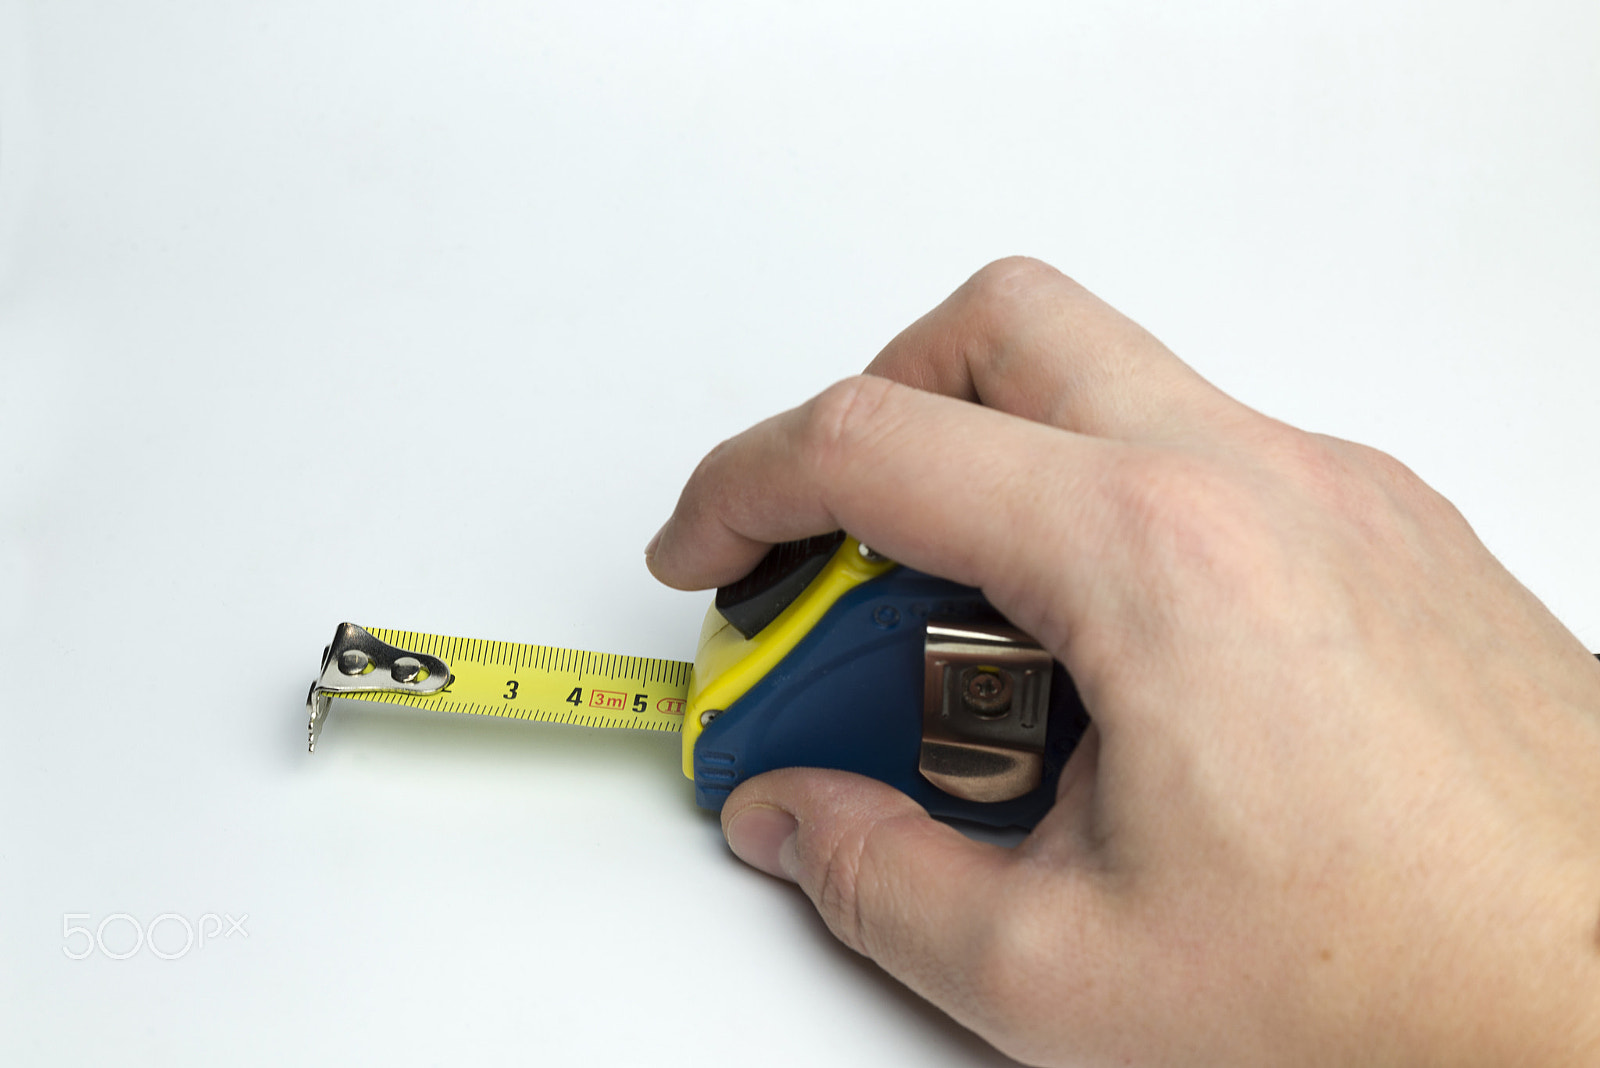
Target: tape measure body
x,y
849,696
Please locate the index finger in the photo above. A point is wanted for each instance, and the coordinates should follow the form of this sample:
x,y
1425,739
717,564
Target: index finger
x,y
938,484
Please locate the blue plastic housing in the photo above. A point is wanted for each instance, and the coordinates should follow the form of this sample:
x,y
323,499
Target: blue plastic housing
x,y
849,696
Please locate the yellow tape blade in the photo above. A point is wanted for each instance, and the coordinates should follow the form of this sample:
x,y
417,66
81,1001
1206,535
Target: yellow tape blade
x,y
543,683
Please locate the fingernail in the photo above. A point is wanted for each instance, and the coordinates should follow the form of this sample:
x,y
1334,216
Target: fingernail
x,y
763,837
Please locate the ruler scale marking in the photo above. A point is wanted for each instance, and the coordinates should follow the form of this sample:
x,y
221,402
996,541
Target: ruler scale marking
x,y
600,691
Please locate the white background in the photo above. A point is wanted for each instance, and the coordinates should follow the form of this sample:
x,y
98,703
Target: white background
x,y
418,314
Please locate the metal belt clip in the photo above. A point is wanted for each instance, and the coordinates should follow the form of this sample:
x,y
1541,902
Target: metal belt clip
x,y
985,710
355,663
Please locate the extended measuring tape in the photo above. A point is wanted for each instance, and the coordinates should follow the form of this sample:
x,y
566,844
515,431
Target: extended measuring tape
x,y
485,678
826,655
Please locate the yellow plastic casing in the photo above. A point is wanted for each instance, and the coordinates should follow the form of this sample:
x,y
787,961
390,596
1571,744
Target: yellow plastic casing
x,y
727,664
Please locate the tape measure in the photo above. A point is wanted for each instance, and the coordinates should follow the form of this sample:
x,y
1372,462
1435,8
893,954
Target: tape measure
x,y
506,679
826,655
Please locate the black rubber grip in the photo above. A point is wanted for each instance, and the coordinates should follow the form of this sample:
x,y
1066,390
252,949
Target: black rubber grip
x,y
787,569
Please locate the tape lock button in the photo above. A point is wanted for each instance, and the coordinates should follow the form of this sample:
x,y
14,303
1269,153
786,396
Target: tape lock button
x,y
787,569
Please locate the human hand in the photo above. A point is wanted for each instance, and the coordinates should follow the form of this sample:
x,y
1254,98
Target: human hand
x,y
1338,803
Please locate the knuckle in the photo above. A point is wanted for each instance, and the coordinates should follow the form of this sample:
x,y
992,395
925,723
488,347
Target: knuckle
x,y
1009,285
716,457
1364,484
711,471
1009,972
864,900
1388,472
1011,275
843,418
1327,468
837,895
1001,963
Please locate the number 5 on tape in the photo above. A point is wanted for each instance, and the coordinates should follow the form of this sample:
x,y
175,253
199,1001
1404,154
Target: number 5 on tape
x,y
827,655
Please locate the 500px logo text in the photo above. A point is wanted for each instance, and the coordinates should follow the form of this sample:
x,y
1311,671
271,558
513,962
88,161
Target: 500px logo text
x,y
169,936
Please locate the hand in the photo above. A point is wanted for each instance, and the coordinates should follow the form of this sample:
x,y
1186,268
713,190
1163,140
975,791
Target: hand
x,y
1340,803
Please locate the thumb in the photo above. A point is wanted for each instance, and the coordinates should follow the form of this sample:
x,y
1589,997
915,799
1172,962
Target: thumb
x,y
892,883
